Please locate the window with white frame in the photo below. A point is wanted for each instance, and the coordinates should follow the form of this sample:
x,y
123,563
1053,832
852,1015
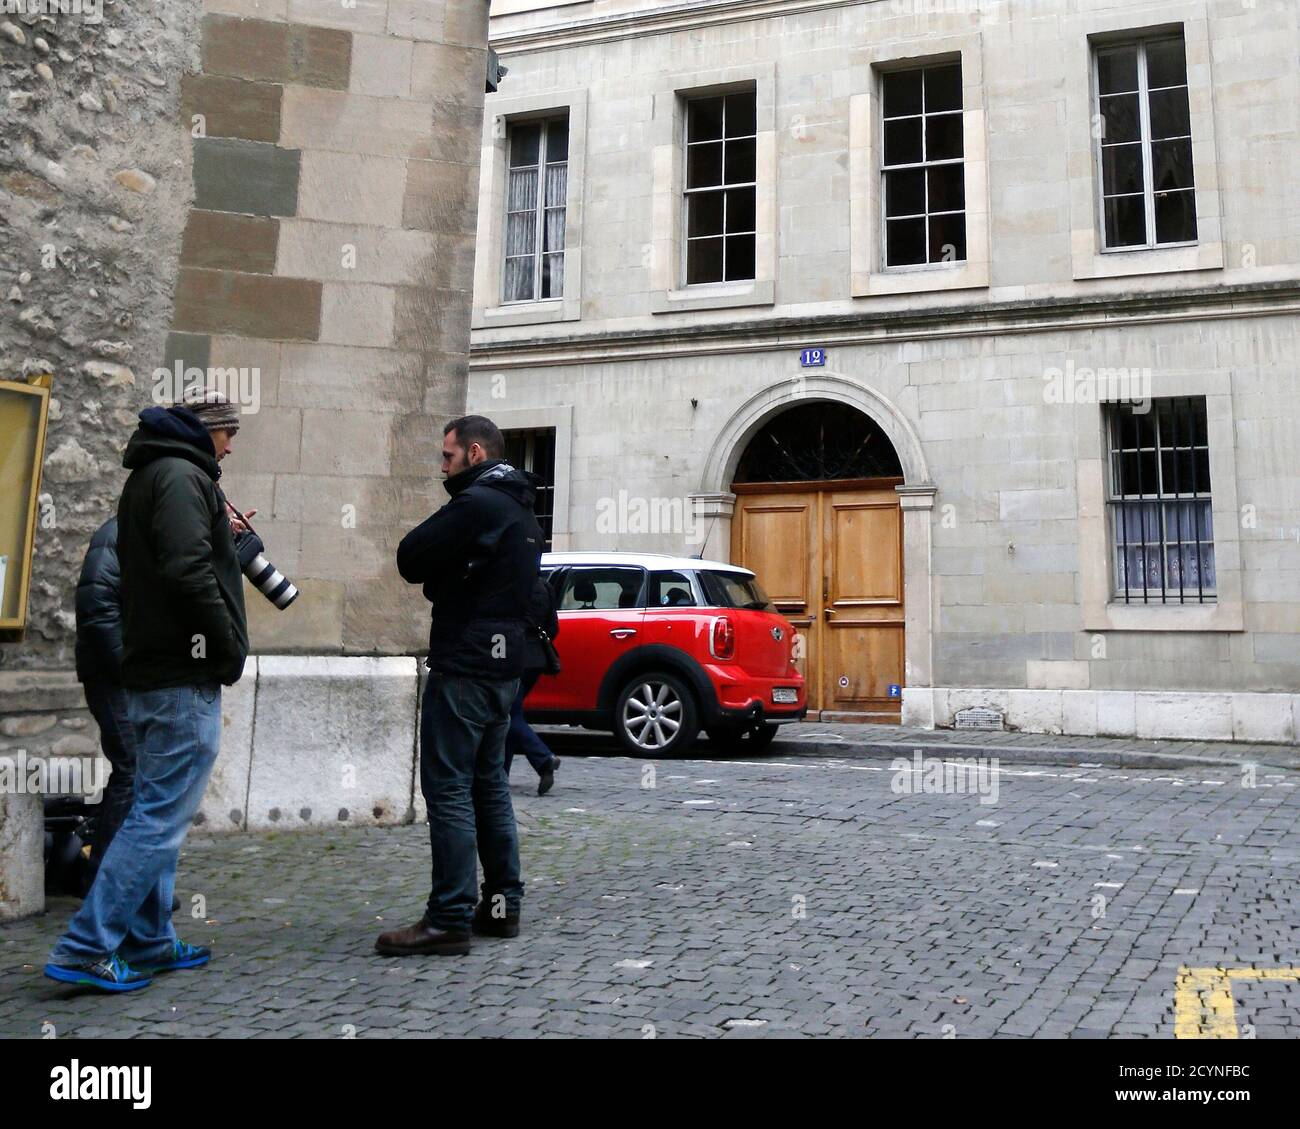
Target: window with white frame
x,y
721,188
923,166
1145,145
536,208
1160,503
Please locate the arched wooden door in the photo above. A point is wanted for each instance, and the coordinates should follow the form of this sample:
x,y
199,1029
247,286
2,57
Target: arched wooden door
x,y
829,552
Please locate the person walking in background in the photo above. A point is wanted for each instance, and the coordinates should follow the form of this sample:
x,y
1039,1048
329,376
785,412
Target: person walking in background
x,y
99,670
184,635
477,558
539,659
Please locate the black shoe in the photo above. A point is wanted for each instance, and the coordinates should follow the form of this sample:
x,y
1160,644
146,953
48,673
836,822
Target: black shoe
x,y
423,939
485,925
547,778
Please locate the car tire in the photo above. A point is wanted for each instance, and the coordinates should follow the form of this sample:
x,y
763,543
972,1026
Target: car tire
x,y
647,710
738,740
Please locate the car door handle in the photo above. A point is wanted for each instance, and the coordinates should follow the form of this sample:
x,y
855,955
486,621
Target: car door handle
x,y
623,632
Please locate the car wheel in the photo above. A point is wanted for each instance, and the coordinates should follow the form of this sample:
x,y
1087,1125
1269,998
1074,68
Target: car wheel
x,y
656,716
738,740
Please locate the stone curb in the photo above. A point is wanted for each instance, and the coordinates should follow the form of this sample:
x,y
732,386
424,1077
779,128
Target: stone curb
x,y
1263,756
1274,757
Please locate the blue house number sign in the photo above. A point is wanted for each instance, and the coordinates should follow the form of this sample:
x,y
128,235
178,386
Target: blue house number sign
x,y
813,358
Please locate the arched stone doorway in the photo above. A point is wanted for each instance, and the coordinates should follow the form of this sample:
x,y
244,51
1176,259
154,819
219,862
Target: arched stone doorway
x,y
823,491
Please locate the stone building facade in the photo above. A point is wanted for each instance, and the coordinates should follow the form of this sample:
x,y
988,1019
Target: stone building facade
x,y
1112,215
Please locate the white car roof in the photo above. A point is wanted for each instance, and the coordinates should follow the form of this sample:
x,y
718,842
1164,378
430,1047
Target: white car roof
x,y
654,561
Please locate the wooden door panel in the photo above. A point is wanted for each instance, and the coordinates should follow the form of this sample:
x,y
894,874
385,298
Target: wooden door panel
x,y
862,644
865,552
777,535
868,659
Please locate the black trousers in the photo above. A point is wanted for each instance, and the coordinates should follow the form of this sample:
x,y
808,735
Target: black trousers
x,y
107,703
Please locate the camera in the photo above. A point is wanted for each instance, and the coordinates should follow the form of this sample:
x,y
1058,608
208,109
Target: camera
x,y
266,578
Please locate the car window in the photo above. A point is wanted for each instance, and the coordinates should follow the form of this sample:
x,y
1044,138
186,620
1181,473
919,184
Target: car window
x,y
670,590
735,590
602,589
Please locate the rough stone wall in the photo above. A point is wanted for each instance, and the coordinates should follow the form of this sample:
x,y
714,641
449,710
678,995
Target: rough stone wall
x,y
94,184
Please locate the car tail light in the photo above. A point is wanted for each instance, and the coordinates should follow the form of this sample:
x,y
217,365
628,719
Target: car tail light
x,y
722,639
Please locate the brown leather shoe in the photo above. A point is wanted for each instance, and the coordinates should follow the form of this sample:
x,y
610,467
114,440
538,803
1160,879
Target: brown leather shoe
x,y
423,939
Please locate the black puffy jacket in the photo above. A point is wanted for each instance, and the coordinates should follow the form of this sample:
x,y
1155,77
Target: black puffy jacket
x,y
183,620
477,558
99,609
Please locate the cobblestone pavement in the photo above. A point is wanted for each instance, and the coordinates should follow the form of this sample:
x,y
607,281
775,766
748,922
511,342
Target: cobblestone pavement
x,y
785,896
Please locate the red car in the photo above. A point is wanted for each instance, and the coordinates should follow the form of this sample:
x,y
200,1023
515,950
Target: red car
x,y
656,648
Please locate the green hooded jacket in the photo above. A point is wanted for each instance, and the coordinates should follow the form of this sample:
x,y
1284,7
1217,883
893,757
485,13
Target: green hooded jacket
x,y
183,619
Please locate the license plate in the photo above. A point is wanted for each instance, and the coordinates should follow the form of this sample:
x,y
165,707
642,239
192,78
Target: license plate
x,y
785,695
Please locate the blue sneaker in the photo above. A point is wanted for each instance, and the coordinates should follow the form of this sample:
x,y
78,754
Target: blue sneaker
x,y
112,974
182,956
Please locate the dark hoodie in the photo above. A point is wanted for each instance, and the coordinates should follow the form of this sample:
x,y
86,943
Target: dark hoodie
x,y
183,620
477,558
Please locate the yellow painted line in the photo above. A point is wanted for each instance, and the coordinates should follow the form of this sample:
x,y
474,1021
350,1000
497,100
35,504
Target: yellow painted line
x,y
1203,1006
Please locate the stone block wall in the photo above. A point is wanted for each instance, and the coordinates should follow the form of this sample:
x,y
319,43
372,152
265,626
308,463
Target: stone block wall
x,y
329,250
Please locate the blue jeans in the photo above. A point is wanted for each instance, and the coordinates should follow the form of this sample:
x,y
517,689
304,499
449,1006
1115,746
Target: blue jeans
x,y
521,738
463,727
108,706
128,910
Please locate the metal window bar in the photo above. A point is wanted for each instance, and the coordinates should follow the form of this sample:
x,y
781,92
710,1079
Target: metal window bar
x,y
1163,509
534,451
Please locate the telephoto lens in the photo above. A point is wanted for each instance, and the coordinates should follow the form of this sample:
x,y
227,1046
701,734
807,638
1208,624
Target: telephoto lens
x,y
266,578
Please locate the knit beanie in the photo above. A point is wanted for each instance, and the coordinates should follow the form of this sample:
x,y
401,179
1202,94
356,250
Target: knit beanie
x,y
214,411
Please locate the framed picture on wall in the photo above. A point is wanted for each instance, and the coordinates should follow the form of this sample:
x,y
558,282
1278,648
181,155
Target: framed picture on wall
x,y
24,411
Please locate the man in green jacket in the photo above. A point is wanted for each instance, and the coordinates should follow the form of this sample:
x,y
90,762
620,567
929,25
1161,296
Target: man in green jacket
x,y
184,636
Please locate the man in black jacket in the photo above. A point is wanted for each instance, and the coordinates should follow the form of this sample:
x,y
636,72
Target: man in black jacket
x,y
184,635
477,558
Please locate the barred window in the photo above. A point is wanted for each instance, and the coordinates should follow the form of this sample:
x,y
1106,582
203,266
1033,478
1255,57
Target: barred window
x,y
536,209
1160,510
924,169
1147,188
721,188
534,451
